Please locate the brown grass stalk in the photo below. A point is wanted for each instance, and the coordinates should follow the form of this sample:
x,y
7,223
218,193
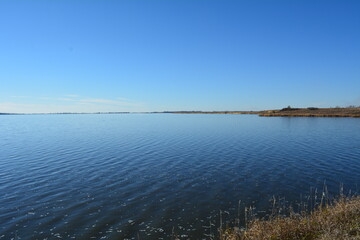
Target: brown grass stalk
x,y
338,220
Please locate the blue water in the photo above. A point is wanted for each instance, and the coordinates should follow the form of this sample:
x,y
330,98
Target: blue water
x,y
150,176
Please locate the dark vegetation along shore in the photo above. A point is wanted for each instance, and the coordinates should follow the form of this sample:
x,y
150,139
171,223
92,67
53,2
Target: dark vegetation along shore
x,y
291,112
285,112
313,112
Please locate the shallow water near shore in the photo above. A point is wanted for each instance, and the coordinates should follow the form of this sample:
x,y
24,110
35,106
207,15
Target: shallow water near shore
x,y
144,176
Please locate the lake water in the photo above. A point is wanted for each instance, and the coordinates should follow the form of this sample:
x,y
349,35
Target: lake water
x,y
145,176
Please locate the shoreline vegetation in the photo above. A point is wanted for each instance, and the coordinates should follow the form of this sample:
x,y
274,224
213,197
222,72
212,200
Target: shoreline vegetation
x,y
350,111
292,112
336,220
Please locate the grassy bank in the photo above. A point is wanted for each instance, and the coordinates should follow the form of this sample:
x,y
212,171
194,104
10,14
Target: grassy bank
x,y
290,112
339,220
313,112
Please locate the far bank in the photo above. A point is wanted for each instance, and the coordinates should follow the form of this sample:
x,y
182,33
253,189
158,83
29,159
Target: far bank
x,y
289,112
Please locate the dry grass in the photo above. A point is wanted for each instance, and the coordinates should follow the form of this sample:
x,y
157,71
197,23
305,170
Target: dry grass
x,y
291,112
313,112
339,220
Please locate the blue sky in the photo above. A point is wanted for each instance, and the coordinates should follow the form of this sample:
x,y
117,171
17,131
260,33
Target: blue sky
x,y
89,56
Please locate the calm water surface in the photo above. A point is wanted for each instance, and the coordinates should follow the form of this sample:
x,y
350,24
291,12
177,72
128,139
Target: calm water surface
x,y
144,176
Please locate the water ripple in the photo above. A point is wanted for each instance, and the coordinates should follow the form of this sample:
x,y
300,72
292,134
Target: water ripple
x,y
124,176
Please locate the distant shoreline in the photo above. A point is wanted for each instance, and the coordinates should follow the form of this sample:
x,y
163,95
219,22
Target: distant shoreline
x,y
285,112
313,112
291,112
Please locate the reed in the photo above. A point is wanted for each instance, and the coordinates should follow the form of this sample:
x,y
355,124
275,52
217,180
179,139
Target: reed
x,y
329,220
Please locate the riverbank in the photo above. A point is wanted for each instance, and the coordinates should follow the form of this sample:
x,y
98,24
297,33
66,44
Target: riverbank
x,y
285,112
289,112
312,112
340,220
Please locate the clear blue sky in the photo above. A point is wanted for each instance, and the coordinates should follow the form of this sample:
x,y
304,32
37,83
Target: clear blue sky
x,y
152,55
